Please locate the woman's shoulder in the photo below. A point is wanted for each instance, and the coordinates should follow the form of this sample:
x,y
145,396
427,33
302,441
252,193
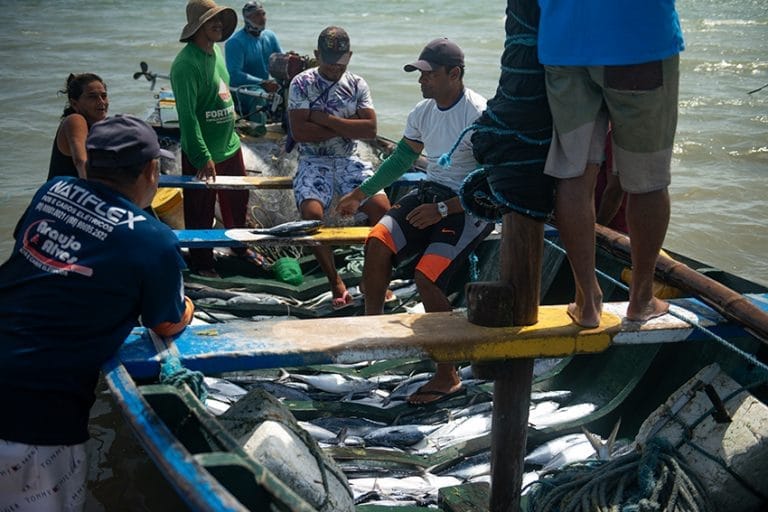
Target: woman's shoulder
x,y
73,121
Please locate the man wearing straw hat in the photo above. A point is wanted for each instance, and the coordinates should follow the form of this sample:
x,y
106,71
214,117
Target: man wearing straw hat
x,y
209,143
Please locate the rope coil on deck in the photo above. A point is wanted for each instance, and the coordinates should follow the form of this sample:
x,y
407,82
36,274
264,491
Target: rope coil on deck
x,y
650,480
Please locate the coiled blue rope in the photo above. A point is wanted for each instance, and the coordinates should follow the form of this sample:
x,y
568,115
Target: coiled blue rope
x,y
176,374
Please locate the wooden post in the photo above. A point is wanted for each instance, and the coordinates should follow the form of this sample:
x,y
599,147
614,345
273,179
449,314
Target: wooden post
x,y
522,246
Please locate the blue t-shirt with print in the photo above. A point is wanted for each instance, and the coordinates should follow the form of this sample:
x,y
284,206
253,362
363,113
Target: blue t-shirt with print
x,y
87,264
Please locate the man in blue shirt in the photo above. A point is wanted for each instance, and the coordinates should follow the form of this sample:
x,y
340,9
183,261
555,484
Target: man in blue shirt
x,y
626,72
247,53
88,263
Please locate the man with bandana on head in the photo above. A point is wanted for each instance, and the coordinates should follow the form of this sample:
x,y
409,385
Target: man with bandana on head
x,y
247,53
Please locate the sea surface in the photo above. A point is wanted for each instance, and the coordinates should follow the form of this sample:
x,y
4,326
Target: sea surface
x,y
720,165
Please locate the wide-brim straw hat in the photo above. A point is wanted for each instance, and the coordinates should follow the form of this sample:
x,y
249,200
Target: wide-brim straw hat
x,y
200,11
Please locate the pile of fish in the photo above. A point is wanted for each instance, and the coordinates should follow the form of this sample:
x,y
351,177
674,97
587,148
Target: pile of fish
x,y
398,454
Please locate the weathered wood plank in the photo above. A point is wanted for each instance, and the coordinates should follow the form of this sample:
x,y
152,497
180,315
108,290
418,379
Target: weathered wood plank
x,y
195,238
228,182
346,235
254,182
439,336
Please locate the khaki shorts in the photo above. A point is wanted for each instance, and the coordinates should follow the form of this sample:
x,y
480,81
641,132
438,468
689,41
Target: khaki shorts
x,y
640,101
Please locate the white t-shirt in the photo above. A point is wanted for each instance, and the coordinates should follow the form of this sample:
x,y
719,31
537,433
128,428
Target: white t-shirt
x,y
439,129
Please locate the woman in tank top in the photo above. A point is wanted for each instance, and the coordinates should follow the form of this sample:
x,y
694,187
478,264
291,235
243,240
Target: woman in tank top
x,y
87,103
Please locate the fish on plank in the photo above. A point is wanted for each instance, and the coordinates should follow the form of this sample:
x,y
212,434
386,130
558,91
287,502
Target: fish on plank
x,y
293,228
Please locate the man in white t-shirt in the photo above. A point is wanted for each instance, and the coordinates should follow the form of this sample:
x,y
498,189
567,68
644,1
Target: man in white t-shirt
x,y
429,222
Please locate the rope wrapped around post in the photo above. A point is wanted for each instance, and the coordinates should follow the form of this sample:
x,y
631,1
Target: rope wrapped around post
x,y
511,138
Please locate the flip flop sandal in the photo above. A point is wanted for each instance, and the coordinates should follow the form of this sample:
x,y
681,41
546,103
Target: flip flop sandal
x,y
440,396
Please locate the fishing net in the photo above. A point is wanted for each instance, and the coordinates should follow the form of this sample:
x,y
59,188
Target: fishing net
x,y
648,480
511,138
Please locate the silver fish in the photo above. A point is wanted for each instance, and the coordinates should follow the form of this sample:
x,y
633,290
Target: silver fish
x,y
547,451
557,395
287,391
398,436
354,426
293,228
335,383
563,415
472,467
223,390
572,453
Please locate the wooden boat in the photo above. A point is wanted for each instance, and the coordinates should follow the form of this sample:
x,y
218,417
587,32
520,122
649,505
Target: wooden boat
x,y
624,369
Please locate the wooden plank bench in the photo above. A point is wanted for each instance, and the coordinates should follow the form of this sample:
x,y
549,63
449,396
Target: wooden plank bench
x,y
200,238
442,337
346,235
256,182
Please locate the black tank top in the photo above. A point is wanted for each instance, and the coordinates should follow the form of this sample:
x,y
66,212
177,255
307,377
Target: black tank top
x,y
61,164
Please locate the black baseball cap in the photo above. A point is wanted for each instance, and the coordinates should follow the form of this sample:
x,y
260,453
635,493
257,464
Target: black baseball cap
x,y
439,52
123,141
333,45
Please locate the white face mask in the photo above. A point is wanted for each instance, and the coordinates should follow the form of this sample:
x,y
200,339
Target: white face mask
x,y
254,30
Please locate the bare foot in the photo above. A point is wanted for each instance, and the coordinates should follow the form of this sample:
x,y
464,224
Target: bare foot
x,y
651,309
581,318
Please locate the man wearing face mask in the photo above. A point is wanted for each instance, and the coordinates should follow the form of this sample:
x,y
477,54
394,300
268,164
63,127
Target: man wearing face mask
x,y
247,53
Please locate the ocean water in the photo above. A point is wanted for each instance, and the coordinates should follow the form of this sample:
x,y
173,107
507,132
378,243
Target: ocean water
x,y
720,165
719,212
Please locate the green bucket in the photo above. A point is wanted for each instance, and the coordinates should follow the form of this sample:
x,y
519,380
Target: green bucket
x,y
288,271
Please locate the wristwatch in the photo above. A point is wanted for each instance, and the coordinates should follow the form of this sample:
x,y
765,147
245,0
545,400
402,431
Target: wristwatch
x,y
442,208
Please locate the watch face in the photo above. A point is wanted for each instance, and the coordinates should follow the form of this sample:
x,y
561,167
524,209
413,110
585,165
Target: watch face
x,y
442,208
